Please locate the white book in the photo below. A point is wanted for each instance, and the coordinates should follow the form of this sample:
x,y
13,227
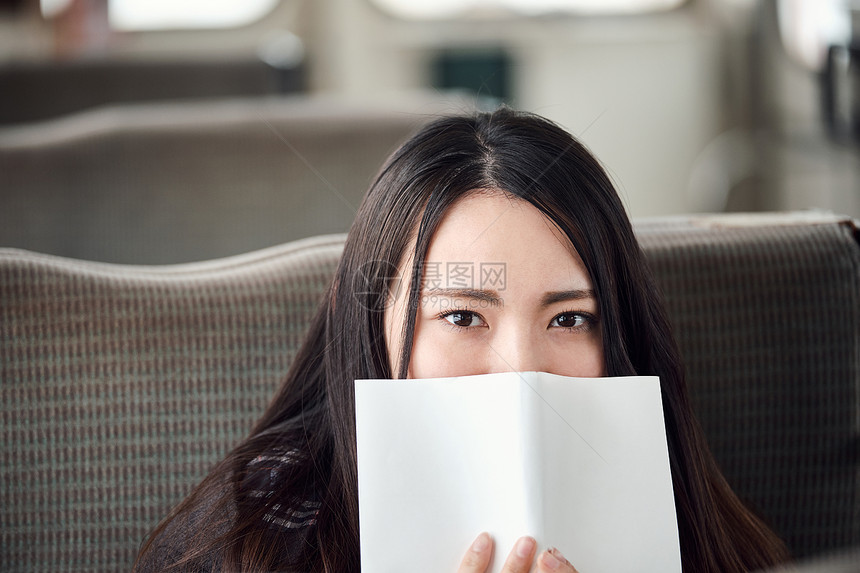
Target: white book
x,y
578,463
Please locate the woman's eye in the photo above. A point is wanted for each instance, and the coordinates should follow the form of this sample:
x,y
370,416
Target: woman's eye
x,y
464,318
570,320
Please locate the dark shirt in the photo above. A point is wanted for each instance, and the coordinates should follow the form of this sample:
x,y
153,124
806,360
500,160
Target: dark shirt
x,y
290,522
265,473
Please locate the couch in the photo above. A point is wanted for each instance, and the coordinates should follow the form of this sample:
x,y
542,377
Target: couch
x,y
121,385
183,181
33,91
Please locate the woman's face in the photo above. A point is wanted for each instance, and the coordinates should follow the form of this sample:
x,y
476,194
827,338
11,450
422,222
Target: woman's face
x,y
503,290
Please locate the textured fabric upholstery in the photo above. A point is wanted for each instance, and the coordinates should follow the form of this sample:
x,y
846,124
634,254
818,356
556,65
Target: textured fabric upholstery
x,y
768,319
120,386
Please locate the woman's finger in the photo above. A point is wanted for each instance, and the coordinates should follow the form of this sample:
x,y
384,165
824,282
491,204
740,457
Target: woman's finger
x,y
553,561
521,556
478,556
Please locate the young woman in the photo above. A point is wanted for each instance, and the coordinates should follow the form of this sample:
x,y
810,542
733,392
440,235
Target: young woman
x,y
503,187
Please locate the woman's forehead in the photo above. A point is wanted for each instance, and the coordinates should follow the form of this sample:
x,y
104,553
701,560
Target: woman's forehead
x,y
492,235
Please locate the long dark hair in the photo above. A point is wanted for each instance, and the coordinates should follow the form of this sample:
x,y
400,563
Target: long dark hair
x,y
312,414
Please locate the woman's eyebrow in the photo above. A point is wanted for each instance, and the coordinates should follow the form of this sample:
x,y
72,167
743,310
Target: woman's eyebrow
x,y
489,296
566,295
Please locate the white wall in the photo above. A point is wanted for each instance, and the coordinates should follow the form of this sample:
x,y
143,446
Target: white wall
x,y
643,93
646,104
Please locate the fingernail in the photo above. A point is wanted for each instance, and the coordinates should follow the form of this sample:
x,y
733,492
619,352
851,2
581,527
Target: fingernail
x,y
481,543
525,546
550,560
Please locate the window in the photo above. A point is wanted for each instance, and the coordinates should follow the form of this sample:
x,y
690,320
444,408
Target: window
x,y
165,14
433,9
808,29
138,15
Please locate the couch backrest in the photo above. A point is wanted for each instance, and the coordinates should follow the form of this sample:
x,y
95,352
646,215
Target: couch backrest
x,y
175,182
33,91
766,310
120,385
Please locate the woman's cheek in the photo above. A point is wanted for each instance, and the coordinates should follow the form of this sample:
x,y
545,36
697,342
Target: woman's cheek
x,y
583,359
441,355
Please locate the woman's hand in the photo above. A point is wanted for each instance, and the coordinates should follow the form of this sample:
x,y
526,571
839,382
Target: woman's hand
x,y
519,560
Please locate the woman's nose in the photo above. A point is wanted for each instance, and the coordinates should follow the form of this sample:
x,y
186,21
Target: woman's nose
x,y
514,351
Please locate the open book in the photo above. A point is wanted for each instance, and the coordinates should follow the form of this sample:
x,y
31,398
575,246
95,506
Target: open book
x,y
578,463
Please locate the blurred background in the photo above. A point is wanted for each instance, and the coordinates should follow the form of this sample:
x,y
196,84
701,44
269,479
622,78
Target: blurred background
x,y
157,131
